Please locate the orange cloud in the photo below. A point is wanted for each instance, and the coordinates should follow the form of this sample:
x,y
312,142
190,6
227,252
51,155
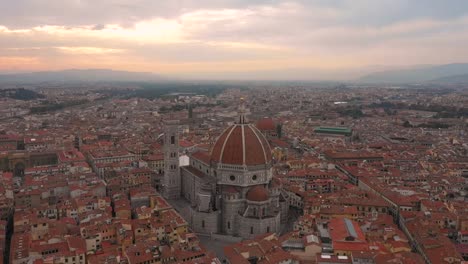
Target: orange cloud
x,y
20,63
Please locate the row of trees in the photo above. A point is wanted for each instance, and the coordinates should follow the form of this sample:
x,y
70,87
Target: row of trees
x,y
20,94
442,111
51,107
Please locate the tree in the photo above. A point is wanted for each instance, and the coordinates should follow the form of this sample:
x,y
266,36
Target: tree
x,y
279,130
190,111
407,124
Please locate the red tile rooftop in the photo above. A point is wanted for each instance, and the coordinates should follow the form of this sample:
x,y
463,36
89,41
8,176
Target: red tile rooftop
x,y
33,140
156,146
312,172
142,192
352,155
279,143
265,248
10,137
266,124
7,175
403,257
342,228
339,210
71,155
195,171
161,203
462,248
19,246
202,156
332,259
185,144
154,157
110,154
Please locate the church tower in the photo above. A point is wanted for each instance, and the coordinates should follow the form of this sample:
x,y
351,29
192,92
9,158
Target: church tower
x,y
172,179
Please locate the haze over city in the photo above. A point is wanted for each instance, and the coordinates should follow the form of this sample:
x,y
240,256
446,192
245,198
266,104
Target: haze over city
x,y
229,39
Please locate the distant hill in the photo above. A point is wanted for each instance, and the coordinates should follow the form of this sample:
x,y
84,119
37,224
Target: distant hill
x,y
462,78
417,75
91,75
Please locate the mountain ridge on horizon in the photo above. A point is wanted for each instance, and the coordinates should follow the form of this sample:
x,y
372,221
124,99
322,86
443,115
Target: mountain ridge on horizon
x,y
443,73
429,73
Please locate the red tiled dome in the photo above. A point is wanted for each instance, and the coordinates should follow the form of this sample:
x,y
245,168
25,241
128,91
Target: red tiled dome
x,y
257,194
241,144
266,124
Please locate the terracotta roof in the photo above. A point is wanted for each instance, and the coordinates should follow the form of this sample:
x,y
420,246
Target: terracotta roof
x,y
266,124
185,143
241,144
341,228
202,156
231,189
257,194
154,157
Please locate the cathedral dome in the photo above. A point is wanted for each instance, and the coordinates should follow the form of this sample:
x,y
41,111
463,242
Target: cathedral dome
x,y
241,144
258,194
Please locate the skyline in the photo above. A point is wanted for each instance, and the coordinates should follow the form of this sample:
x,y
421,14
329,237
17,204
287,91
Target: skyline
x,y
232,39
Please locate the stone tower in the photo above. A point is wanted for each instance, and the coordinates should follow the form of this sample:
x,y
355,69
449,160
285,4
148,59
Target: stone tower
x,y
78,141
172,179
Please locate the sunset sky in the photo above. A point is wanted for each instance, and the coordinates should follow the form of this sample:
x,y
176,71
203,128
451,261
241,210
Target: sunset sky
x,y
225,38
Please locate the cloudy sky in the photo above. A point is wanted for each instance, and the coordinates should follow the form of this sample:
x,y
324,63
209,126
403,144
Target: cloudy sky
x,y
320,39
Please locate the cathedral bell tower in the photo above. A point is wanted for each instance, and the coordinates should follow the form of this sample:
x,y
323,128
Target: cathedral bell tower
x,y
172,179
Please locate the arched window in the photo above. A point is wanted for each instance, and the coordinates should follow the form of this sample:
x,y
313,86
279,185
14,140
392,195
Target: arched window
x,y
203,223
229,225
